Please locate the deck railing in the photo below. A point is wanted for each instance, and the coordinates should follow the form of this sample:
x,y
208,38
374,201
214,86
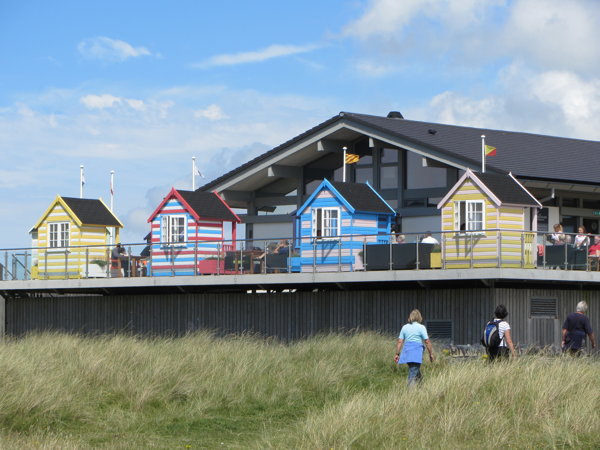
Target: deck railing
x,y
407,251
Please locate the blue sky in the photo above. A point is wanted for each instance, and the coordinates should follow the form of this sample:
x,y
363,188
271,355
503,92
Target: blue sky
x,y
140,87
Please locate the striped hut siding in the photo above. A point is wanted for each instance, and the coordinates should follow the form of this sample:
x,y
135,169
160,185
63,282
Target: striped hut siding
x,y
204,238
356,230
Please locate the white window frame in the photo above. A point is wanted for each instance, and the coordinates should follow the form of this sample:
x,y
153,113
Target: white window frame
x,y
322,218
467,209
59,234
170,232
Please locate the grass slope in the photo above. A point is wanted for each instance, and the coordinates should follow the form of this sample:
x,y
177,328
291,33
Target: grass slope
x,y
335,391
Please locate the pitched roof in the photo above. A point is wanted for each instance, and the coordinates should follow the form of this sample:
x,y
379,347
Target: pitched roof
x,y
92,212
501,189
208,205
362,197
507,189
526,155
355,196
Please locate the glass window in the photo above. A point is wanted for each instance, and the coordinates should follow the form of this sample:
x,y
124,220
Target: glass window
x,y
174,229
58,234
389,177
364,174
468,215
326,222
365,160
389,155
419,177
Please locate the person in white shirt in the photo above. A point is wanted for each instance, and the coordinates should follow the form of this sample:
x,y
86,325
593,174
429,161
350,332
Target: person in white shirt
x,y
506,346
429,239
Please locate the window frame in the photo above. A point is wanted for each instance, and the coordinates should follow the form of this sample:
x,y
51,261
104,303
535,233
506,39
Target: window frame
x,y
319,225
62,235
464,208
169,229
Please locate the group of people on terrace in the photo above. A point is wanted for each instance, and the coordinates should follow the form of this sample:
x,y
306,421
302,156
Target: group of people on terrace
x,y
581,241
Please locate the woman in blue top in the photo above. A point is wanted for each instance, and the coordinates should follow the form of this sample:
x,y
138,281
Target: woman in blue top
x,y
409,348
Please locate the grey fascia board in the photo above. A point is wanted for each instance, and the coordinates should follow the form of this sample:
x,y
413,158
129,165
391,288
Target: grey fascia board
x,y
422,150
274,159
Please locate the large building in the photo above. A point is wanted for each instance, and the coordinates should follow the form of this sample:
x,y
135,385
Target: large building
x,y
412,164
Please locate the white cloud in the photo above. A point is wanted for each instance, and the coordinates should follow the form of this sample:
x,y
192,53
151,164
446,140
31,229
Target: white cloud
x,y
554,34
110,50
273,51
374,69
212,112
105,101
389,19
100,101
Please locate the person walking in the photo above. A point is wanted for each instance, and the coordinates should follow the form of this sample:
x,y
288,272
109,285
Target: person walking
x,y
506,346
410,346
576,327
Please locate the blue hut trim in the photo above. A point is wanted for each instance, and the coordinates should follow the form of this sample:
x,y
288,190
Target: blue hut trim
x,y
362,217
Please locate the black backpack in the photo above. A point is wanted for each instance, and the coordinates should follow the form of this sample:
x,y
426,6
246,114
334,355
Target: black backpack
x,y
491,335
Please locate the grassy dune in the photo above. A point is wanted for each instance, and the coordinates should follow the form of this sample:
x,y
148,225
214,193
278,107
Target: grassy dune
x,y
336,391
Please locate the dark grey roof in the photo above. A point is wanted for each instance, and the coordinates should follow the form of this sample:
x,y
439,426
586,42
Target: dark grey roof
x,y
526,155
506,189
91,212
208,205
362,197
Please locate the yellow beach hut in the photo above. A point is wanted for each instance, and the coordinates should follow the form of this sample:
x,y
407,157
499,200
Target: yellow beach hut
x,y
72,239
489,220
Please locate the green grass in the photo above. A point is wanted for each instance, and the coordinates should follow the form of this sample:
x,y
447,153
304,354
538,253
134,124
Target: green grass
x,y
335,391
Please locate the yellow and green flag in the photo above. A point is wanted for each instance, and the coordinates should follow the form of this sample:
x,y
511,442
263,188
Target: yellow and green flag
x,y
490,151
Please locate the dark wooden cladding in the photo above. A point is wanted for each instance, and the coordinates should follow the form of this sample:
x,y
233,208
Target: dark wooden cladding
x,y
291,316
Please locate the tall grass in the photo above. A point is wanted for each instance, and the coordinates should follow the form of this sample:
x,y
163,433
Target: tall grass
x,y
61,391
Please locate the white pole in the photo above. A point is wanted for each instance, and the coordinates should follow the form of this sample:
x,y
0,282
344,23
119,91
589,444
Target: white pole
x,y
483,153
112,189
344,166
81,181
193,173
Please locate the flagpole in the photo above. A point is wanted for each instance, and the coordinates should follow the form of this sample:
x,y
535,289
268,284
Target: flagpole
x,y
344,166
483,153
193,173
81,181
112,191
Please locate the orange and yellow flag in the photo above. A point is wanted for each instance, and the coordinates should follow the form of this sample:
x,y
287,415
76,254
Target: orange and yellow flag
x,y
490,151
351,158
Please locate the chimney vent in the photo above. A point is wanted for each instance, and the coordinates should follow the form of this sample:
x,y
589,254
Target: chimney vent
x,y
394,115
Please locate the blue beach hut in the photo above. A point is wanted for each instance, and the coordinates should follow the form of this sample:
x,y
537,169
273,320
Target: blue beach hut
x,y
336,222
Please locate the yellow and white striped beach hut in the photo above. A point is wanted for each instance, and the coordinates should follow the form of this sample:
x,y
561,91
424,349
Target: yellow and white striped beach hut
x,y
489,220
72,238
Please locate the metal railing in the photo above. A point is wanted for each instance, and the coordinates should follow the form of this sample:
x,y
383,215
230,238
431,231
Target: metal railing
x,y
408,251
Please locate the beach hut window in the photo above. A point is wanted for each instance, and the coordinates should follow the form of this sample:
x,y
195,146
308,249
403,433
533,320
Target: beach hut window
x,y
326,223
468,215
58,234
173,230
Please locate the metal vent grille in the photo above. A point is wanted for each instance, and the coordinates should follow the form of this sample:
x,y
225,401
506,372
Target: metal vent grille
x,y
439,329
545,308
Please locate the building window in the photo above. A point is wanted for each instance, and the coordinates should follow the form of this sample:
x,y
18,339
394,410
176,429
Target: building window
x,y
469,215
418,176
174,230
58,234
326,223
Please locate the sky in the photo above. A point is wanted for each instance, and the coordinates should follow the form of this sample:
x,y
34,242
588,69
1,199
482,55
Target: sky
x,y
141,87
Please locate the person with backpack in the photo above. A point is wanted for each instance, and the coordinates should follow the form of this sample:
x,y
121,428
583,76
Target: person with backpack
x,y
409,347
497,338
